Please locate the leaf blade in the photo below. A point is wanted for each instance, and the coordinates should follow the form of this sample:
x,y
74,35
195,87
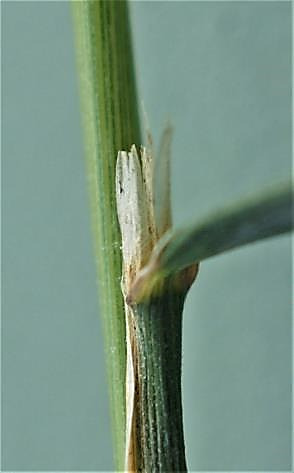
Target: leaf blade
x,y
261,217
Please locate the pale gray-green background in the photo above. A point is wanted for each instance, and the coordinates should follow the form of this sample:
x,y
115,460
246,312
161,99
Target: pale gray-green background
x,y
220,71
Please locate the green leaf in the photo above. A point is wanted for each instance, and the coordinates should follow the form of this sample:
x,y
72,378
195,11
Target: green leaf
x,y
260,217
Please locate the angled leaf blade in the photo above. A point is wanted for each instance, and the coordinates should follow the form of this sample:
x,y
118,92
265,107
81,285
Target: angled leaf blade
x,y
255,219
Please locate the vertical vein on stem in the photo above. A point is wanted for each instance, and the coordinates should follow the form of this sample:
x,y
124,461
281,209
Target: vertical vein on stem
x,y
110,120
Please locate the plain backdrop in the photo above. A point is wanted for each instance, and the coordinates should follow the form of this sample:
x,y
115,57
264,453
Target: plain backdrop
x,y
221,73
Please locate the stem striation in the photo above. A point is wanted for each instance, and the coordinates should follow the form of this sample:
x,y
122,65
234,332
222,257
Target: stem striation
x,y
158,404
111,123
